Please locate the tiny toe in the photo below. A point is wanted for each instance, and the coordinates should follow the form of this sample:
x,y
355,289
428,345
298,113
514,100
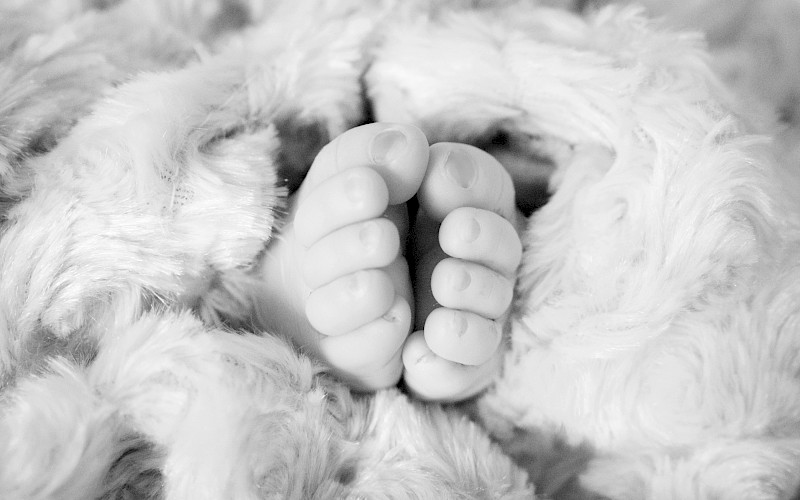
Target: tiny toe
x,y
365,245
356,195
398,152
459,284
481,236
432,378
369,357
349,302
461,336
460,175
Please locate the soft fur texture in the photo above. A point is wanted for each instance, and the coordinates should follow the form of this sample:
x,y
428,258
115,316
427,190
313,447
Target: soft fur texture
x,y
146,151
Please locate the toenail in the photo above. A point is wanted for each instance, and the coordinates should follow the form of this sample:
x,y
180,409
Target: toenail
x,y
460,168
460,280
391,316
387,146
369,235
356,284
425,358
459,323
471,231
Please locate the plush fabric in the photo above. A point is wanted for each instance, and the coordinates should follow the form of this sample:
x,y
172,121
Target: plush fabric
x,y
147,149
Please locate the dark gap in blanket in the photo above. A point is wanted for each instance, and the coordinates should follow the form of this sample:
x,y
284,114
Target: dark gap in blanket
x,y
526,161
585,5
788,112
300,143
368,110
44,346
104,4
42,143
346,474
233,17
136,473
553,465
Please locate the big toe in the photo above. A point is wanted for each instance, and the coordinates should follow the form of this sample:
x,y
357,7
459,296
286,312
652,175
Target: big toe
x,y
460,175
398,152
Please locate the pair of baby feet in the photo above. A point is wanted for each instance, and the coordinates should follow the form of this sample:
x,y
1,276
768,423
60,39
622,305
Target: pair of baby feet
x,y
338,282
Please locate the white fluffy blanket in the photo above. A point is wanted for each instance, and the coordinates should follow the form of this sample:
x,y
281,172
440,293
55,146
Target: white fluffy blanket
x,y
146,151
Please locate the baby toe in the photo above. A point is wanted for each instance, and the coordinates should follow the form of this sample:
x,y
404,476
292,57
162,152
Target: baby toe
x,y
433,378
366,245
349,302
368,357
355,195
460,175
459,284
481,236
398,152
461,336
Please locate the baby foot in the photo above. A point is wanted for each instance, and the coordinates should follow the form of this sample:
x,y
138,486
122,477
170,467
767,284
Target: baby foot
x,y
336,280
467,250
